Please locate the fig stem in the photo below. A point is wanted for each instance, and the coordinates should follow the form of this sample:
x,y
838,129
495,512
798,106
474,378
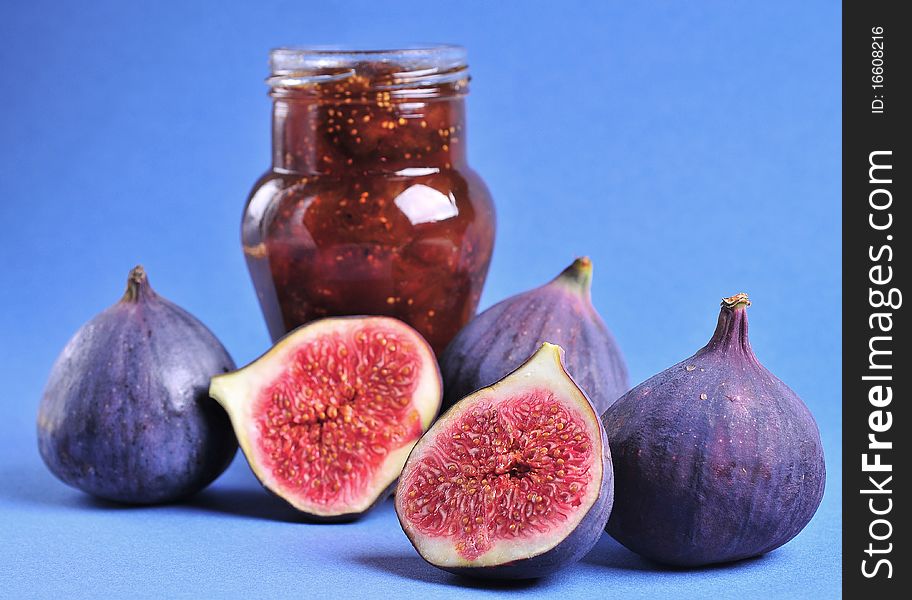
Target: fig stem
x,y
731,329
736,301
578,275
137,285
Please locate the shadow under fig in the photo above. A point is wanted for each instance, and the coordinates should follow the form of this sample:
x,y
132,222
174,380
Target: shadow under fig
x,y
412,566
611,554
250,503
35,486
245,502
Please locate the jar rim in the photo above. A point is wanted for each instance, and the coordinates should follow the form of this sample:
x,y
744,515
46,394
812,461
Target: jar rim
x,y
410,66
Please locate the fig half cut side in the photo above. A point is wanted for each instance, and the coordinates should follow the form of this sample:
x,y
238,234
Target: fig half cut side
x,y
515,481
328,416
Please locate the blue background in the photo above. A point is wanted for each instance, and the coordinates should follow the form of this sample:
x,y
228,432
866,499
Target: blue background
x,y
691,149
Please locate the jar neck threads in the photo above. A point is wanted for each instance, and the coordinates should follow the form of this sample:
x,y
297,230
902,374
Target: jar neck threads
x,y
386,111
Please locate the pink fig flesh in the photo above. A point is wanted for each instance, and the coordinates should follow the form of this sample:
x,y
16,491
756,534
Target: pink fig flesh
x,y
327,417
514,481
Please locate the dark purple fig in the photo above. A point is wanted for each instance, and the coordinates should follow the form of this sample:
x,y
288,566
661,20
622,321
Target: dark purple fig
x,y
514,481
501,338
126,415
716,459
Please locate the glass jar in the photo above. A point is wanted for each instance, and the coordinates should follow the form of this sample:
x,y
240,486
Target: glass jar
x,y
370,206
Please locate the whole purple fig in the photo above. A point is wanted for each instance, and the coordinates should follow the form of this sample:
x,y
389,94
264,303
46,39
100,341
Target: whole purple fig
x,y
504,336
126,414
715,459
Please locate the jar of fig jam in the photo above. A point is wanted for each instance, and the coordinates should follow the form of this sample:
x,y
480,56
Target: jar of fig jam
x,y
370,206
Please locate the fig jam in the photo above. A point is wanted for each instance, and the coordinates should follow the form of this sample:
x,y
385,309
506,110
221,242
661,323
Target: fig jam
x,y
370,206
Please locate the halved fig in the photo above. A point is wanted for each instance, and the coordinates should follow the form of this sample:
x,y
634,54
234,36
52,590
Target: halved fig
x,y
515,481
328,416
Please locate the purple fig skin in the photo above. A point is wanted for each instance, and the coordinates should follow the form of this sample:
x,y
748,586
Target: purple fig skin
x,y
500,339
126,415
716,459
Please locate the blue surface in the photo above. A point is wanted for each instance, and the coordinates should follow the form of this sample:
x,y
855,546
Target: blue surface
x,y
692,149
